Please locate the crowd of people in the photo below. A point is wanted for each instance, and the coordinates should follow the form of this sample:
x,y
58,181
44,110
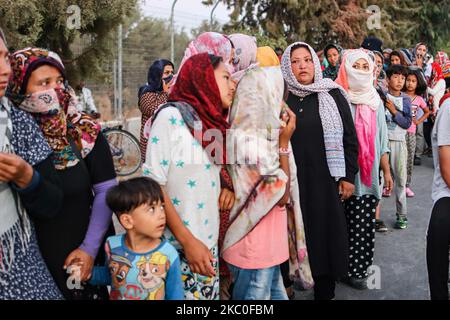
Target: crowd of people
x,y
261,167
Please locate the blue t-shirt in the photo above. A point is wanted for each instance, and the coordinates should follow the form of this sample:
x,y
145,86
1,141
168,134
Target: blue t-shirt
x,y
155,275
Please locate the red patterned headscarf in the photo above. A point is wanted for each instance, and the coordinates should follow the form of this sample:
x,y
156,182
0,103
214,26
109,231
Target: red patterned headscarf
x,y
196,85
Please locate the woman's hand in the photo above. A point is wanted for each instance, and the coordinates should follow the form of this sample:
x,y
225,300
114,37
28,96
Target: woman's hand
x,y
287,132
199,257
80,258
346,189
14,169
226,199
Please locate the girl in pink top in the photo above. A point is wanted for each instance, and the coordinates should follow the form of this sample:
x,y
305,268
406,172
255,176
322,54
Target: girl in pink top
x,y
415,87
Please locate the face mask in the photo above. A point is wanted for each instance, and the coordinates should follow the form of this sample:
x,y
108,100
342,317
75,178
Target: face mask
x,y
168,79
50,101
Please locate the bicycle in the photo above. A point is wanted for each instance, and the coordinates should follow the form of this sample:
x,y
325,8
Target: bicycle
x,y
125,150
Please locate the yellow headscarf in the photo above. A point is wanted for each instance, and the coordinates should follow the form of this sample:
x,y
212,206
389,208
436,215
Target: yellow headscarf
x,y
267,57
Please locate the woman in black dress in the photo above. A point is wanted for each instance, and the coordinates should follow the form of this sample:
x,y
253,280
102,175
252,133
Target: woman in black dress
x,y
325,147
83,162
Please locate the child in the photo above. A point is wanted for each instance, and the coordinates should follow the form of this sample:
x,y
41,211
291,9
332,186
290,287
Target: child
x,y
398,119
141,265
415,87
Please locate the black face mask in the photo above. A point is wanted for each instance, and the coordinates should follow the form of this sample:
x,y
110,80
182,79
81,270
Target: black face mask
x,y
168,79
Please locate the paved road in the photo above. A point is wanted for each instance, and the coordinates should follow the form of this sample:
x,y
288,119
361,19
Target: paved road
x,y
400,254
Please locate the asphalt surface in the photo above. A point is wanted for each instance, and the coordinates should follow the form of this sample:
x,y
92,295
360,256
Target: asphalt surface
x,y
399,254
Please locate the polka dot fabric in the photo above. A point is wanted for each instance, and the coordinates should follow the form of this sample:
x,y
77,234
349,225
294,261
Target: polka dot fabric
x,y
29,278
360,213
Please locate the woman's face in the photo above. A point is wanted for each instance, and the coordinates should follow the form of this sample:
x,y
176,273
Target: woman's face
x,y
5,68
421,50
395,60
302,66
168,71
361,64
379,63
333,56
45,78
226,86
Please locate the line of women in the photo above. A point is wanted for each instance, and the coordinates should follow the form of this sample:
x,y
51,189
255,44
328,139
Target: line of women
x,y
303,153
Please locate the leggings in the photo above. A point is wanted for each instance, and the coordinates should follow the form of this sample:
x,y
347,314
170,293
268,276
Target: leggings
x,y
438,243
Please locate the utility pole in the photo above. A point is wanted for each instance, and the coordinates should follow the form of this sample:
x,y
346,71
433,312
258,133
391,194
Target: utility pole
x,y
119,73
172,31
212,15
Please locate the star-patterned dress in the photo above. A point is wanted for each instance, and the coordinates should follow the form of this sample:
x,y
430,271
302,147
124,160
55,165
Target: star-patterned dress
x,y
177,161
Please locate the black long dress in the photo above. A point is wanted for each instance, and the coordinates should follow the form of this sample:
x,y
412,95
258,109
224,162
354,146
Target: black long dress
x,y
59,236
323,211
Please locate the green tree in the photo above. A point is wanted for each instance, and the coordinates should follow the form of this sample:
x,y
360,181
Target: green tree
x,y
318,22
49,24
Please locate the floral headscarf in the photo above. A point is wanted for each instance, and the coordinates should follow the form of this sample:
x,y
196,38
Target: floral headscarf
x,y
244,54
444,62
212,43
258,181
54,110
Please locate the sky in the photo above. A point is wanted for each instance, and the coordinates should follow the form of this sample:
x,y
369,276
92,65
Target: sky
x,y
188,13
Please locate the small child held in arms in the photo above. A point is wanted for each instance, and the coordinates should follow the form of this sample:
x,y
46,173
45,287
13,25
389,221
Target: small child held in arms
x,y
140,264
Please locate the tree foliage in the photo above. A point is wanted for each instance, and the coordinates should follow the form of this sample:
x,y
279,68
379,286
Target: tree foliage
x,y
319,22
48,24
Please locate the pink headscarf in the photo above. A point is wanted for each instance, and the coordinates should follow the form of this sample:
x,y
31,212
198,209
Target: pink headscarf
x,y
212,43
245,49
361,91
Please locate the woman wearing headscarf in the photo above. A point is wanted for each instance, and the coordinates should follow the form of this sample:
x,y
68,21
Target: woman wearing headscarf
x,y
245,49
380,76
185,155
219,45
29,187
325,147
356,77
419,58
245,58
266,58
436,86
82,159
332,54
213,43
256,242
154,94
444,62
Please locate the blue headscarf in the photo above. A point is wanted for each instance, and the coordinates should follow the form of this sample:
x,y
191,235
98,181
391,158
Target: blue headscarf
x,y
155,73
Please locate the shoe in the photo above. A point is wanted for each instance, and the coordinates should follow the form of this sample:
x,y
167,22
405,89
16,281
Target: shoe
x,y
402,223
359,284
417,161
386,193
409,193
380,226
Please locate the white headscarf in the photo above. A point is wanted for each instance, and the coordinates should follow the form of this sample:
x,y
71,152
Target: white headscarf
x,y
333,128
360,83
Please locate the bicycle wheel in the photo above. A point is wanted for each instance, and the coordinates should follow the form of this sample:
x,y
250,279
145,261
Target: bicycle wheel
x,y
125,151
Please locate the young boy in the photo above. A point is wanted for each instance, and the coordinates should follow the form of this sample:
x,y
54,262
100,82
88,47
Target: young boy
x,y
141,265
398,118
439,228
